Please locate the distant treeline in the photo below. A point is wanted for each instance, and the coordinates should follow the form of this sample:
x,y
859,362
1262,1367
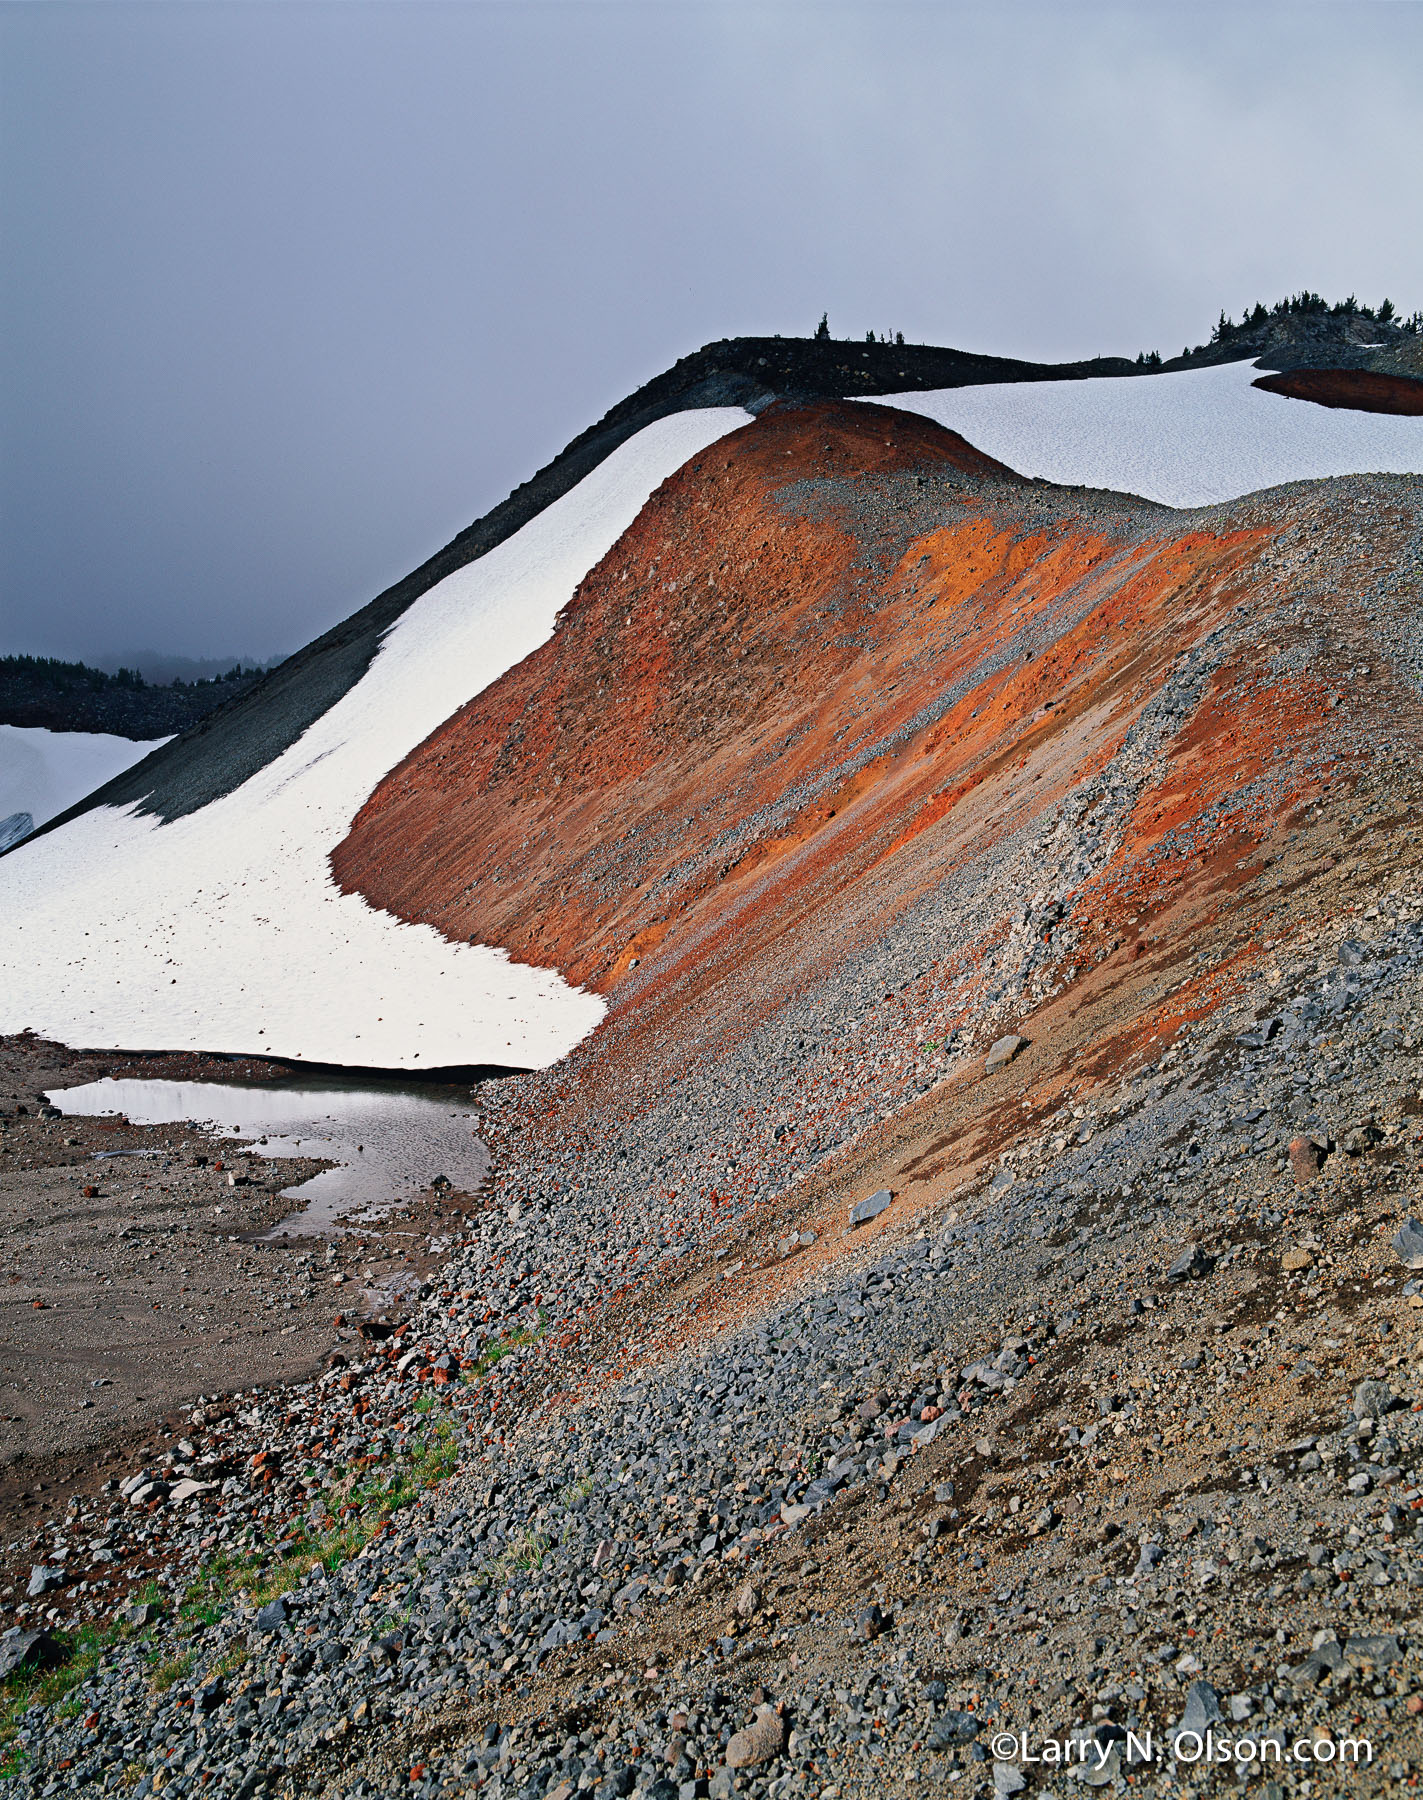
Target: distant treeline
x,y
1305,313
1307,306
67,696
1306,318
64,677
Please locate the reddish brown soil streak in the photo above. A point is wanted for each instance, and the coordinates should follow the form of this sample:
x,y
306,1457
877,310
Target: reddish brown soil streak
x,y
632,790
1361,390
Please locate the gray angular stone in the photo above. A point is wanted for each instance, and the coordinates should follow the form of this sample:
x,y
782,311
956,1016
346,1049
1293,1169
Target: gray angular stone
x,y
825,1487
272,1616
1373,1652
1374,1399
189,1489
1323,1660
870,1207
1202,1708
952,1728
1408,1243
1191,1265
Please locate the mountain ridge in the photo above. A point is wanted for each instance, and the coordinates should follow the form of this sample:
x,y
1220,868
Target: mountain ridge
x,y
226,747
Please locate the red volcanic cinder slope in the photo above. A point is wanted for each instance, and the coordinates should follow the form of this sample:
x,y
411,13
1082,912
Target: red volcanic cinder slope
x,y
1360,390
842,668
652,724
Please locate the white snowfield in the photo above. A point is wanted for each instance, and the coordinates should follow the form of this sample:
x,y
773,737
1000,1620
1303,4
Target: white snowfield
x,y
1187,439
43,772
225,931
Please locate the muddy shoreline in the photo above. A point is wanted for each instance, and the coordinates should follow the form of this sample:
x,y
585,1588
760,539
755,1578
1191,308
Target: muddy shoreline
x,y
121,1306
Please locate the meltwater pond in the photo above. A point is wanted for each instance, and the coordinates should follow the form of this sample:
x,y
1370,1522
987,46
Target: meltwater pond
x,y
389,1142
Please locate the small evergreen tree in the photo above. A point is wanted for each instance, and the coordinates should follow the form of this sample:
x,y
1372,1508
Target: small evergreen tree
x,y
822,330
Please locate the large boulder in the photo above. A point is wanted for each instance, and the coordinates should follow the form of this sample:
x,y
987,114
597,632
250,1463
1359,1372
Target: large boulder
x,y
1002,1052
758,1742
29,1650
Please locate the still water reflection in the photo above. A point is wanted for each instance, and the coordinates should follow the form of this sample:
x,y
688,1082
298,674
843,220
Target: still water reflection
x,y
389,1142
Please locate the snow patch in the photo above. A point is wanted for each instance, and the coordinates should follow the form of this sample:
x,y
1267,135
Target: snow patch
x,y
1186,439
43,772
224,929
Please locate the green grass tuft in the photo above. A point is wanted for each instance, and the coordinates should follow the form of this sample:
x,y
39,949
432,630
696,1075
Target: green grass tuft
x,y
257,1578
172,1669
50,1687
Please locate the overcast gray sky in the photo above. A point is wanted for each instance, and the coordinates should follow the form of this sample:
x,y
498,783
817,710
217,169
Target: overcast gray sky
x,y
293,292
